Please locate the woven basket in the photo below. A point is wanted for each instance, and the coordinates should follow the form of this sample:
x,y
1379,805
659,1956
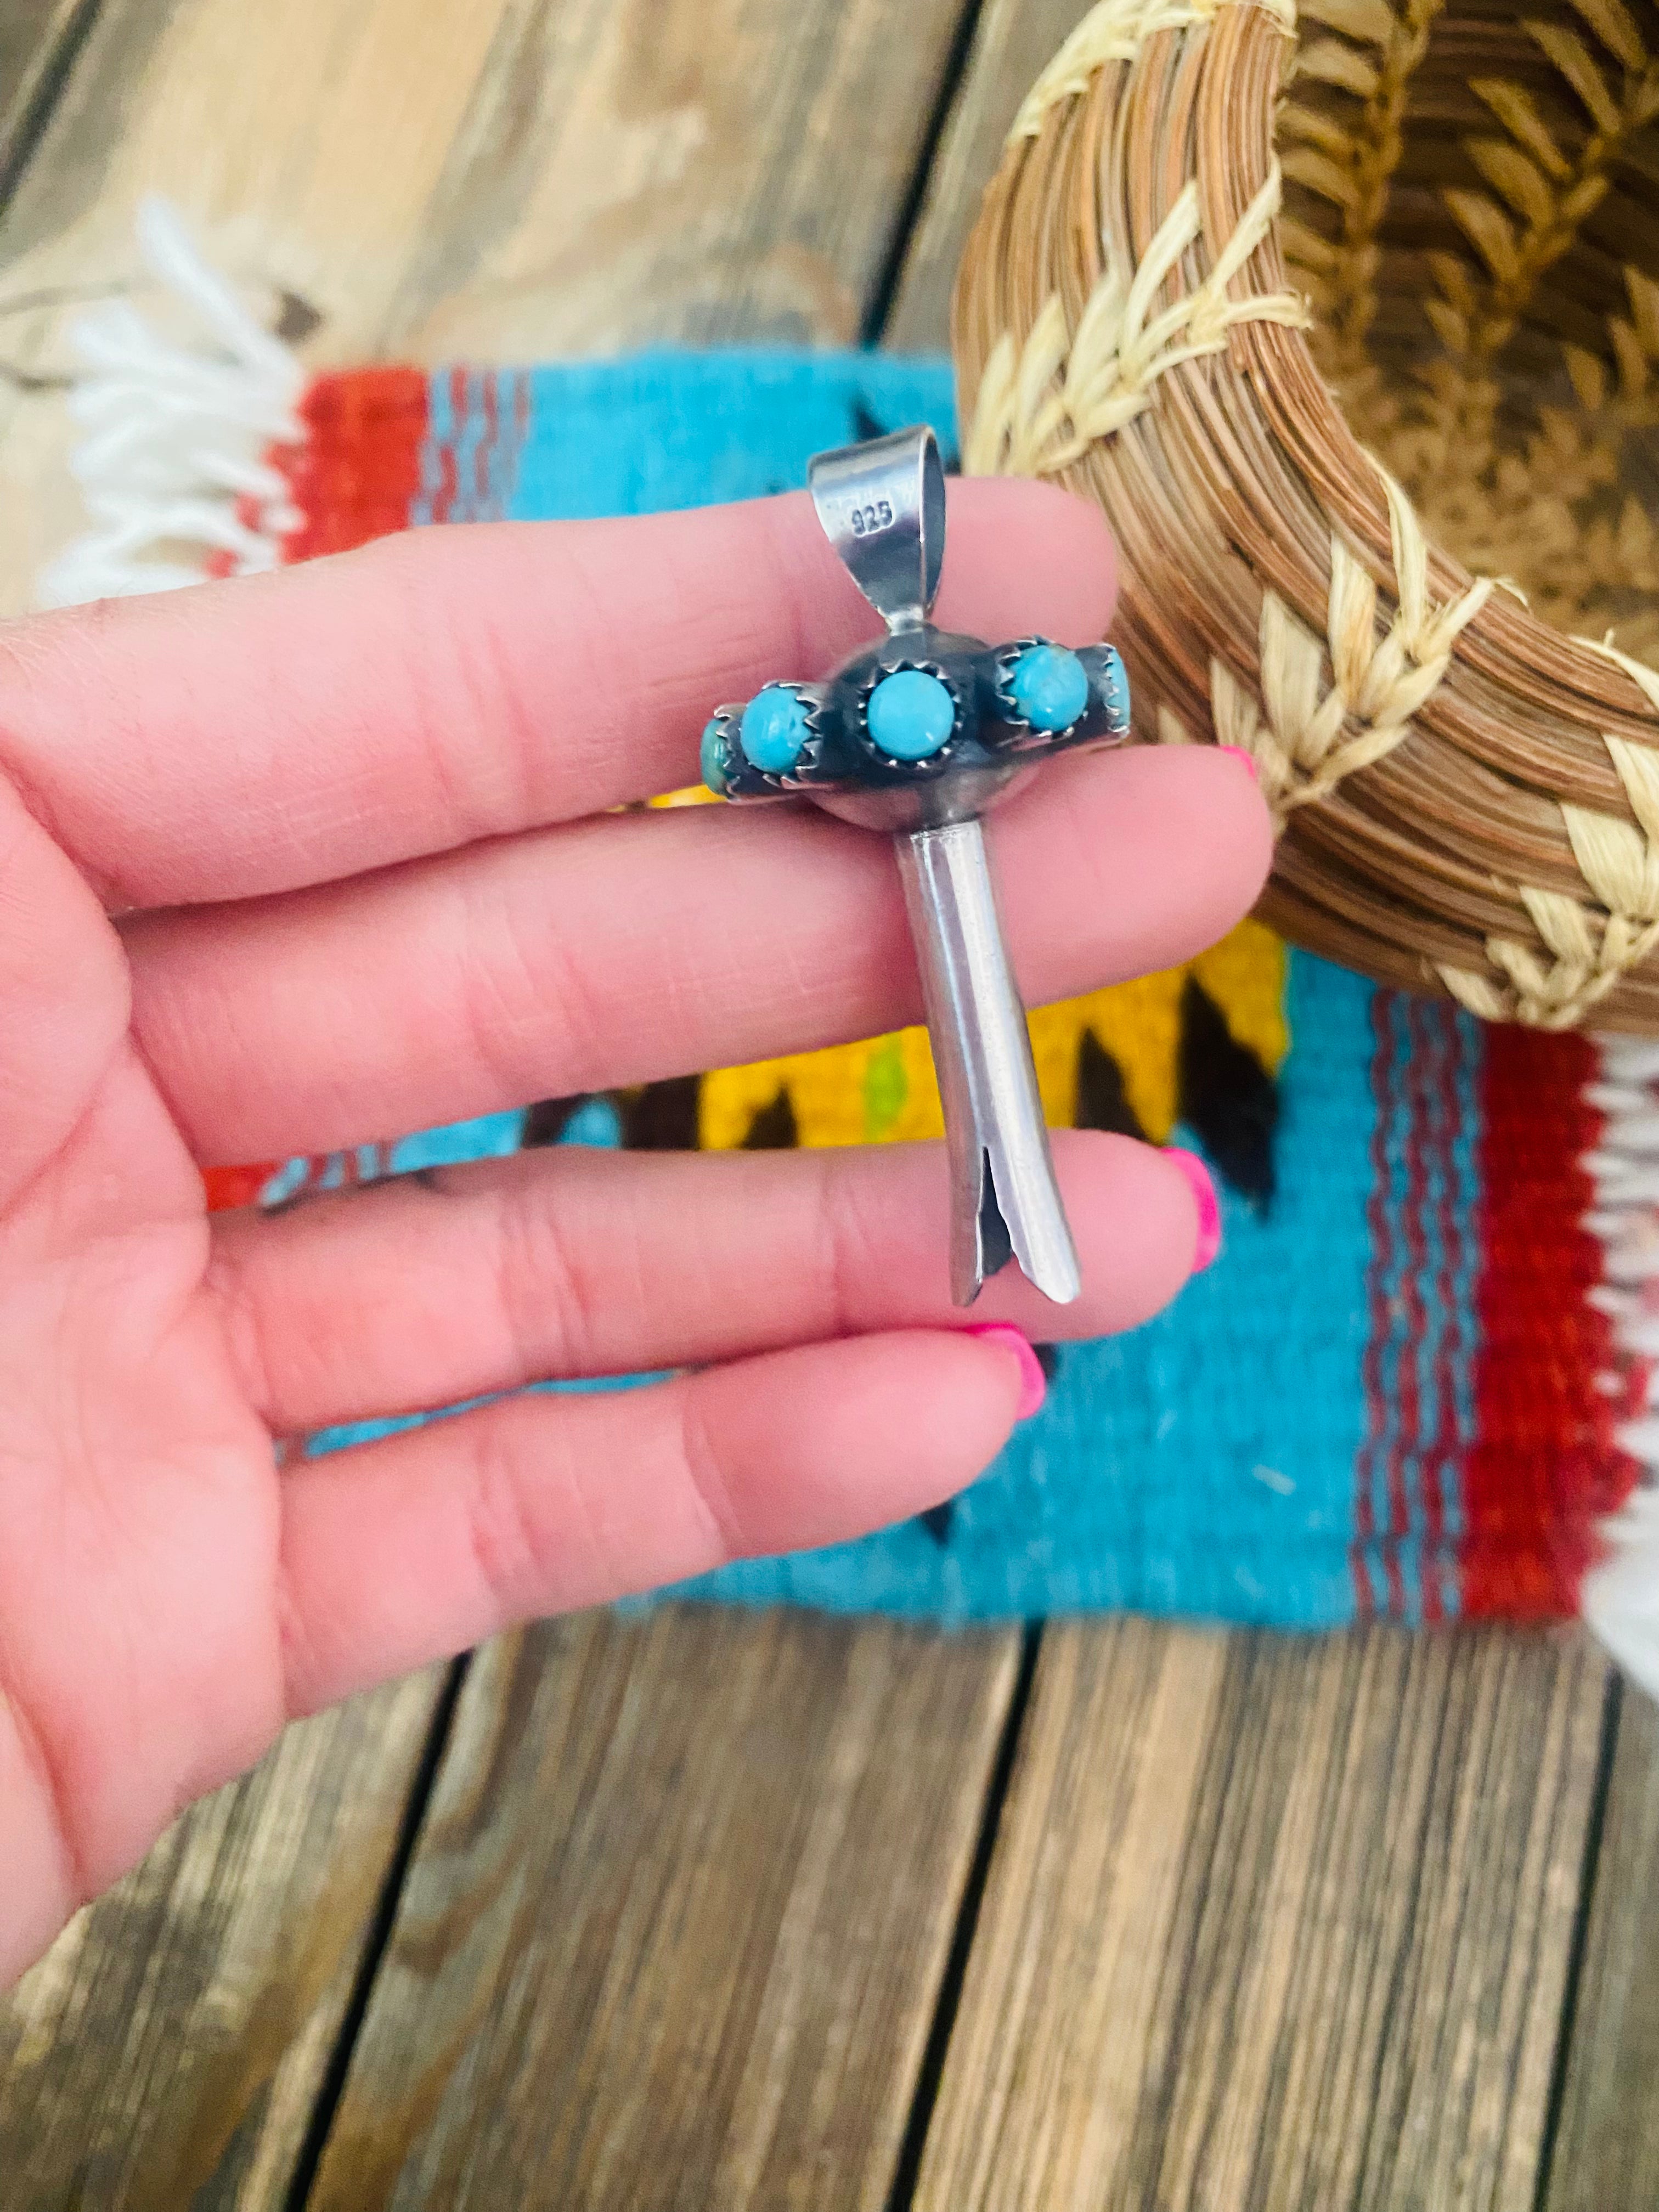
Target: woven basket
x,y
1351,326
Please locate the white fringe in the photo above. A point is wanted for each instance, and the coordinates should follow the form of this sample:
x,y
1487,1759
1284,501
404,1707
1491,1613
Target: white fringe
x,y
1620,1595
174,457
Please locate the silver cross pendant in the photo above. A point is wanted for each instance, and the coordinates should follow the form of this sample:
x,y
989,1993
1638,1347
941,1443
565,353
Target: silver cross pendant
x,y
919,735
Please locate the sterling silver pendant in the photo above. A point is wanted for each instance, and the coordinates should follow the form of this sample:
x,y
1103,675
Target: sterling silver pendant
x,y
919,735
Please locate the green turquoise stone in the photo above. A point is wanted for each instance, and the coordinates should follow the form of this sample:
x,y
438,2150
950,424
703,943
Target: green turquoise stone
x,y
712,758
1049,687
773,730
911,714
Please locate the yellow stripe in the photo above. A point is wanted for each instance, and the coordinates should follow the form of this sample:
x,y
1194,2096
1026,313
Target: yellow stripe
x,y
882,1091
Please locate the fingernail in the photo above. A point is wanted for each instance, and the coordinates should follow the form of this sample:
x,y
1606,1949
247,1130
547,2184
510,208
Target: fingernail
x,y
1245,760
1033,1383
1204,1197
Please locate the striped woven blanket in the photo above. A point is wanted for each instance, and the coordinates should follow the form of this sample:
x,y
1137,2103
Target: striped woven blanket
x,y
1415,1384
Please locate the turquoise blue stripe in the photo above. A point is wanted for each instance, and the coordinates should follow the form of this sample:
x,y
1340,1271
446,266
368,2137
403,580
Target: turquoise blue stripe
x,y
440,427
1204,1465
672,429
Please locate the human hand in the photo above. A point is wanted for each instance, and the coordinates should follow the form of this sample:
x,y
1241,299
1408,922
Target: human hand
x,y
292,863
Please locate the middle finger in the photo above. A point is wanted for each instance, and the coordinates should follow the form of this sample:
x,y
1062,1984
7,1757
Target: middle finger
x,y
630,949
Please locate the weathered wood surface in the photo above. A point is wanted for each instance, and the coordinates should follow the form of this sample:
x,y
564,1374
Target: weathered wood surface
x,y
525,180
673,1931
169,2050
1606,2152
1012,41
500,178
1276,1924
34,38
1269,1924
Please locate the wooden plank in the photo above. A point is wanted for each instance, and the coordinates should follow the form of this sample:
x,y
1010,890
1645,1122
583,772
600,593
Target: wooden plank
x,y
671,1930
1012,41
518,177
1606,2151
34,37
1274,1922
168,2049
500,179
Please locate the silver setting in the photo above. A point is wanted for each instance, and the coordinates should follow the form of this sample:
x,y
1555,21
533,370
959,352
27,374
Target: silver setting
x,y
1007,658
937,762
961,796
788,783
1005,1202
882,506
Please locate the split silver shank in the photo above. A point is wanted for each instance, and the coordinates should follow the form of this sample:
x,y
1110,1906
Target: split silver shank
x,y
882,506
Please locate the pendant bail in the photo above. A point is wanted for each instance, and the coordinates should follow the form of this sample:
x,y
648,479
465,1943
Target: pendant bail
x,y
882,506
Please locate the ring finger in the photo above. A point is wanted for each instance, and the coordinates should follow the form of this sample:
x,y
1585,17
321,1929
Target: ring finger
x,y
428,1289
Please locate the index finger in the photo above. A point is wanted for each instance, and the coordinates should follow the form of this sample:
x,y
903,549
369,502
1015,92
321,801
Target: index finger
x,y
465,682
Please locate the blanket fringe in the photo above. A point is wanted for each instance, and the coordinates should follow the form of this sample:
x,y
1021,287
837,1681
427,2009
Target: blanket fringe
x,y
175,465
1620,1593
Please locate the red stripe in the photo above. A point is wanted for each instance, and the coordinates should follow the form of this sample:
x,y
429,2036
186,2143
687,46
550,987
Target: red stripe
x,y
1377,1276
1442,1463
449,481
487,443
1544,1467
231,1187
356,475
1408,1423
1436,1047
354,478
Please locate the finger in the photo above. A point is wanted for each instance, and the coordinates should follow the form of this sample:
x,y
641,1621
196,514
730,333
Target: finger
x,y
430,1289
625,950
64,997
398,1551
452,684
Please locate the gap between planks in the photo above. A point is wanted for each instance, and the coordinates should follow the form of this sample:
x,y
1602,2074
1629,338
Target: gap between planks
x,y
472,268
672,1933
169,2045
517,179
38,46
1275,1921
1605,2149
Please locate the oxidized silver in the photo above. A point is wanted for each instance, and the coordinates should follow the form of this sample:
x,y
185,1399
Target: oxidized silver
x,y
924,759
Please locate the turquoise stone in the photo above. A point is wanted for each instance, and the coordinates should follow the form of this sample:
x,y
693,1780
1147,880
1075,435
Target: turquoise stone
x,y
1113,682
1049,687
911,714
773,733
712,758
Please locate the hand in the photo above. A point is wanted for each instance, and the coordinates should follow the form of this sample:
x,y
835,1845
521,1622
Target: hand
x,y
305,860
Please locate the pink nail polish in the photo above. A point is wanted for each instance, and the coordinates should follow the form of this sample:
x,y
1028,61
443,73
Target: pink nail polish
x,y
1245,760
1034,1383
1204,1197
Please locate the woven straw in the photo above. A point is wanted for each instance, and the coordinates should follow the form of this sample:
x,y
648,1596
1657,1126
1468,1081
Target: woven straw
x,y
1351,326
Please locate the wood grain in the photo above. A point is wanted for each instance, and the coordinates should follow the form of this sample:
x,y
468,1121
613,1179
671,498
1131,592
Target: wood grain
x,y
1274,1923
1012,41
168,2049
35,36
1607,2148
673,1931
511,177
499,179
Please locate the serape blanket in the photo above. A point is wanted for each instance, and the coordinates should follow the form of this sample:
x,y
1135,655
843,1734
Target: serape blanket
x,y
1413,1386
